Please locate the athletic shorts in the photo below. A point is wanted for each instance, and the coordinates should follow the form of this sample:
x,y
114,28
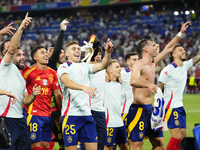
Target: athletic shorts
x,y
78,128
124,118
19,133
176,117
116,135
40,128
138,120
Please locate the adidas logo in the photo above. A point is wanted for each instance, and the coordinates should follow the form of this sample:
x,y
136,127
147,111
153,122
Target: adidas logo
x,y
38,78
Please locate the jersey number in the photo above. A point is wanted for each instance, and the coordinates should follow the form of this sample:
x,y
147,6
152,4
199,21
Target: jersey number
x,y
33,127
71,128
44,91
110,131
141,125
175,113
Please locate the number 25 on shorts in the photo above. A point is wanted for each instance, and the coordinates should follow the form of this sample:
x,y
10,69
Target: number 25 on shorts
x,y
70,129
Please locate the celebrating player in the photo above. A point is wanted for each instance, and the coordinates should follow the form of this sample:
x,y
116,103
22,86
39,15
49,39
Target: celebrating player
x,y
173,78
12,80
39,112
142,80
77,122
116,132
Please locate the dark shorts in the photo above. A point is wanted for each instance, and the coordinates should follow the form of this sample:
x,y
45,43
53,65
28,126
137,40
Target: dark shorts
x,y
116,135
19,133
40,128
100,122
78,128
138,121
176,117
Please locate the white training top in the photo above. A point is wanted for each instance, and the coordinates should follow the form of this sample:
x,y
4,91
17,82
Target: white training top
x,y
75,102
113,93
174,78
97,80
128,98
11,80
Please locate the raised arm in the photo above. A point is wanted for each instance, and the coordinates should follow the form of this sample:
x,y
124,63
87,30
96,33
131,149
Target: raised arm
x,y
7,30
75,86
16,39
100,66
58,46
135,78
196,59
170,46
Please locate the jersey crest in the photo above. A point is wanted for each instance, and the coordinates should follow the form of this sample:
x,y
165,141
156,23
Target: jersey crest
x,y
44,82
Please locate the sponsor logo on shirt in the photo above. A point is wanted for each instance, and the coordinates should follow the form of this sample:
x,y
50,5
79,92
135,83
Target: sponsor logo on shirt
x,y
38,78
166,72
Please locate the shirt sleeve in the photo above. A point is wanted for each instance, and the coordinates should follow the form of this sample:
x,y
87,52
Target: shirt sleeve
x,y
89,66
55,82
164,75
5,67
188,63
62,69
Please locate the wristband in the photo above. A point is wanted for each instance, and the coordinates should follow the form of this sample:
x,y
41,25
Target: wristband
x,y
33,95
179,34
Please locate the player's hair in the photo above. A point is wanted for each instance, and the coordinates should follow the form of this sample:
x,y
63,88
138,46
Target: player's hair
x,y
34,50
128,56
2,46
99,49
110,63
143,43
175,48
70,43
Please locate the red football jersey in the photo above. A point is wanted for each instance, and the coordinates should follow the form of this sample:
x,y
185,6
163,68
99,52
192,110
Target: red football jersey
x,y
48,81
0,60
24,70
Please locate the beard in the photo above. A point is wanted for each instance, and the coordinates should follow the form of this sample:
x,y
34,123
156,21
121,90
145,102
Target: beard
x,y
20,67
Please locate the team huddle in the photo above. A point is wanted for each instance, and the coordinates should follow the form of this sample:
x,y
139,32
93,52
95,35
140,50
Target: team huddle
x,y
92,104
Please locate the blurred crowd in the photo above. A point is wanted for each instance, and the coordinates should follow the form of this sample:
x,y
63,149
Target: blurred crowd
x,y
125,28
25,2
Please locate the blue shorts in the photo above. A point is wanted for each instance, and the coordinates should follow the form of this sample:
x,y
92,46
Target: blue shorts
x,y
78,128
176,117
40,128
116,135
138,120
124,118
19,133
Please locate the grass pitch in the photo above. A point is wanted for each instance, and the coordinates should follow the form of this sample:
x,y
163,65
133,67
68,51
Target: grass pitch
x,y
192,108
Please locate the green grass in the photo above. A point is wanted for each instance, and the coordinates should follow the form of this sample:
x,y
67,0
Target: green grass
x,y
192,108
